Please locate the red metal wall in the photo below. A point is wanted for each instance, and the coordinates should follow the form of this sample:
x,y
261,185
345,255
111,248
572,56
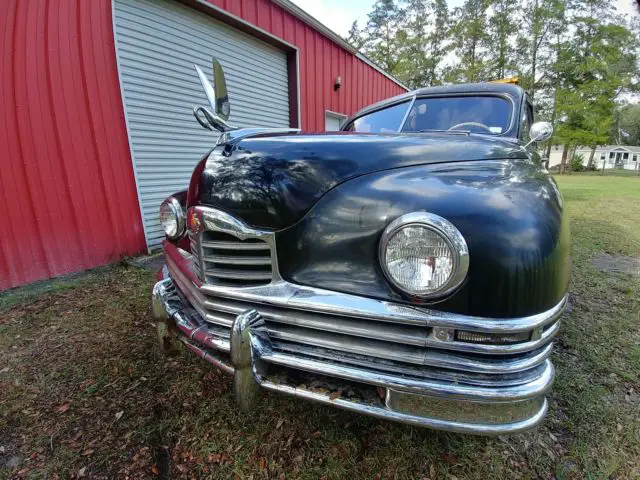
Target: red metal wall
x,y
321,61
67,190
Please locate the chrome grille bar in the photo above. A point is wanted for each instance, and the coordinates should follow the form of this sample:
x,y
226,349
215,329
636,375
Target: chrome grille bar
x,y
234,245
236,274
235,260
229,253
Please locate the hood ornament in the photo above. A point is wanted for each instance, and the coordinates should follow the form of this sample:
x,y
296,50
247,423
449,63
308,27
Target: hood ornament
x,y
215,119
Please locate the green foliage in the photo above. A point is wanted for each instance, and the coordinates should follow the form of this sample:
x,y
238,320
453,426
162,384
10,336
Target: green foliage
x,y
577,163
576,59
472,40
628,131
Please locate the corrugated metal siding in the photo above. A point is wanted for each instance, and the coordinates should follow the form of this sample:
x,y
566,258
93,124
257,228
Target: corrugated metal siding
x,y
321,61
66,179
158,42
66,183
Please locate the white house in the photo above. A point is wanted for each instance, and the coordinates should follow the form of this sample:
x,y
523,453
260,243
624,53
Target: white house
x,y
609,156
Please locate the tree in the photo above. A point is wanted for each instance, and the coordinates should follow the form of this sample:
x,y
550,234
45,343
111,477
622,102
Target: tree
x,y
471,38
384,35
427,28
540,21
502,27
355,36
628,131
594,66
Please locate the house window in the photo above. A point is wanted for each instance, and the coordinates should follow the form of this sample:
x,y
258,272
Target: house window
x,y
611,157
602,156
625,157
635,158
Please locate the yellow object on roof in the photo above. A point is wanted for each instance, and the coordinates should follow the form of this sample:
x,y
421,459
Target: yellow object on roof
x,y
512,80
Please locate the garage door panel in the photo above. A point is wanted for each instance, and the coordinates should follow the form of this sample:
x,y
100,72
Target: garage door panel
x,y
175,70
157,44
179,97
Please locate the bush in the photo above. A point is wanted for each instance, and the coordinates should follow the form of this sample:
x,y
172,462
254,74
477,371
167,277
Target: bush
x,y
576,163
592,168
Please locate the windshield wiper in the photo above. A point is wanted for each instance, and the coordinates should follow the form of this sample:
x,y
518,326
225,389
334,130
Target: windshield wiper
x,y
453,132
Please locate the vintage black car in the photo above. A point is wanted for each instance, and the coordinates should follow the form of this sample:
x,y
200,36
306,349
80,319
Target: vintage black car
x,y
412,267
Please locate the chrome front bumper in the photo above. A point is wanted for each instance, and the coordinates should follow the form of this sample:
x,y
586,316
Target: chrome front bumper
x,y
249,355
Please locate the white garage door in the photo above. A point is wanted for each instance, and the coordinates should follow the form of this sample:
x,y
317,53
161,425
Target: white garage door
x,y
157,43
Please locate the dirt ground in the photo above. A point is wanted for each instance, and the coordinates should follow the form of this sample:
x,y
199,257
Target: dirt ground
x,y
85,393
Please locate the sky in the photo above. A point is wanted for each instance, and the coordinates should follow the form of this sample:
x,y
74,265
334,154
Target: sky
x,y
338,15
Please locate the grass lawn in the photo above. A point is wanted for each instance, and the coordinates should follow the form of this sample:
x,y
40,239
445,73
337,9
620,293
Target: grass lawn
x,y
85,393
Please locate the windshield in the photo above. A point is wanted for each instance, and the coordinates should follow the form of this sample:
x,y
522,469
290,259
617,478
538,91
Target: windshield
x,y
386,120
489,115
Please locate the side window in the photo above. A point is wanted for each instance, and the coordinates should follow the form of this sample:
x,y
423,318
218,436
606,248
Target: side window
x,y
526,121
387,120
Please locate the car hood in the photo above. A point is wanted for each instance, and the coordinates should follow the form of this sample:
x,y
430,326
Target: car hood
x,y
271,182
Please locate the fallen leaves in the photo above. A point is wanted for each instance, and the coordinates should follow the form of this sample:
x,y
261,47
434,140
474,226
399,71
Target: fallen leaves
x,y
119,415
335,395
63,408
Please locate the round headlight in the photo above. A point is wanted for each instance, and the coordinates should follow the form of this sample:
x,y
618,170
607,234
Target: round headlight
x,y
424,255
172,218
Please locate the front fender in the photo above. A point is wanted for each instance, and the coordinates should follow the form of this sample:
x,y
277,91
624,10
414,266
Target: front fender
x,y
510,212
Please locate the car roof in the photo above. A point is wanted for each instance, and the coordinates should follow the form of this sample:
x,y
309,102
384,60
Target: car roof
x,y
512,90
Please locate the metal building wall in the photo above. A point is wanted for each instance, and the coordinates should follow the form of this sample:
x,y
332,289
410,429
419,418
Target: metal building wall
x,y
67,187
67,190
321,61
158,42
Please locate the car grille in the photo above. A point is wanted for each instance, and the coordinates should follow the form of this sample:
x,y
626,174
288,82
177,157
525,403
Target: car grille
x,y
368,343
223,259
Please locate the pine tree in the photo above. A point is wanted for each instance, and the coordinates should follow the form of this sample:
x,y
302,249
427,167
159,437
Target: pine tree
x,y
355,36
469,40
385,37
540,21
426,27
502,28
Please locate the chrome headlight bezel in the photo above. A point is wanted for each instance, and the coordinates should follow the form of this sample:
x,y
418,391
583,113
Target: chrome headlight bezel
x,y
447,231
178,212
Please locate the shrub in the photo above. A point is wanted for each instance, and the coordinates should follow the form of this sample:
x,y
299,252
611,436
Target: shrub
x,y
576,163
